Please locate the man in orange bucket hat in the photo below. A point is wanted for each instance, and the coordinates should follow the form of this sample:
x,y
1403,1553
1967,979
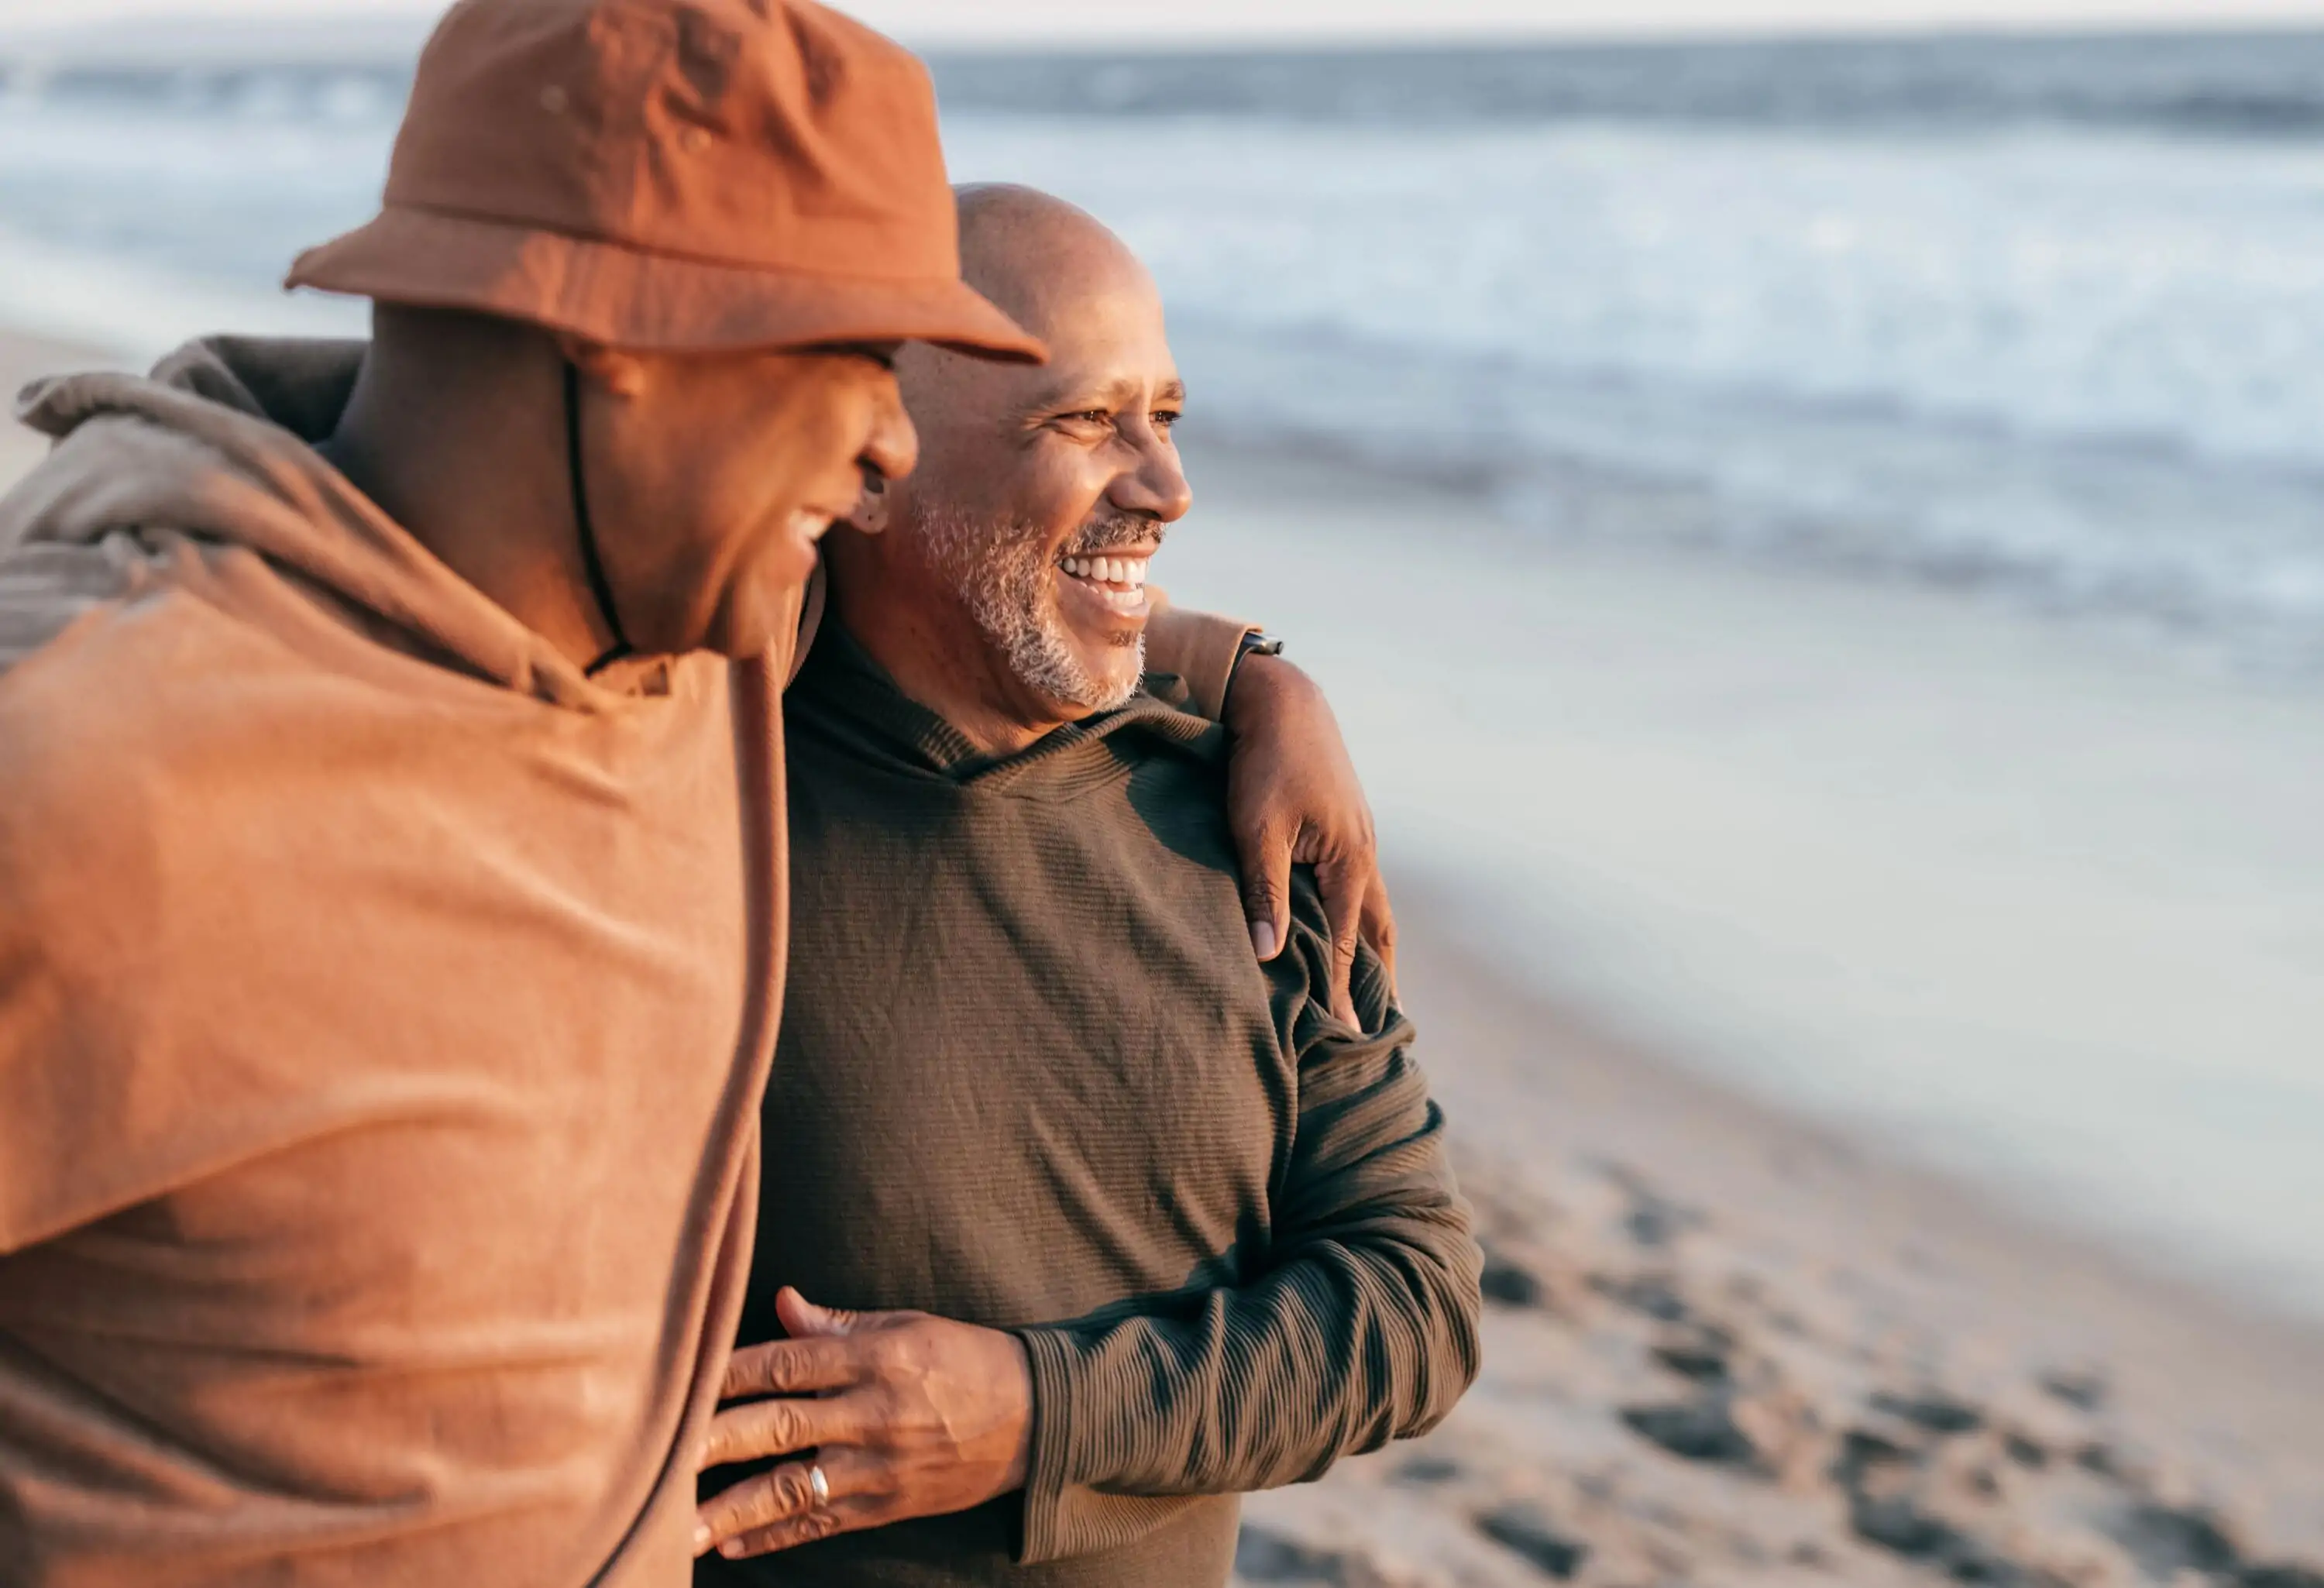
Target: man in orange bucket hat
x,y
393,899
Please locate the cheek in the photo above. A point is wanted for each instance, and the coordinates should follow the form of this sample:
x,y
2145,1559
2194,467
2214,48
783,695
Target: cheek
x,y
1061,499
767,461
637,479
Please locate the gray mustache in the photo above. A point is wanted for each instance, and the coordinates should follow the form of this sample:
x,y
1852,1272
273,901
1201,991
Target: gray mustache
x,y
1106,534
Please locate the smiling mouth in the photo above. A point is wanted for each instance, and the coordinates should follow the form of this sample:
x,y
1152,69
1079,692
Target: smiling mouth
x,y
1117,578
812,523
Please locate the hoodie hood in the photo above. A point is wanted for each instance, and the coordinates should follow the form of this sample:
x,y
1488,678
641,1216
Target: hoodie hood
x,y
218,446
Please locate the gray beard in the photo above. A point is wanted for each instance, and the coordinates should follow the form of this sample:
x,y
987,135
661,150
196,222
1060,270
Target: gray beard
x,y
1002,575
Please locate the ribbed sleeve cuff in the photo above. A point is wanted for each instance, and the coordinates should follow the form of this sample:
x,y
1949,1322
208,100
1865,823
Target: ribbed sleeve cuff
x,y
1049,1472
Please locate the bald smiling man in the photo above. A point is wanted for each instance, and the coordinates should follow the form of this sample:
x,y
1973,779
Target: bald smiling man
x,y
1169,1225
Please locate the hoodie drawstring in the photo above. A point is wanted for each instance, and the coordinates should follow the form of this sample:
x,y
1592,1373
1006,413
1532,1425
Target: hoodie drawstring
x,y
599,585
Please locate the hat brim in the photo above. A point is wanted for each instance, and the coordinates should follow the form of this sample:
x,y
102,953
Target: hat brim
x,y
625,296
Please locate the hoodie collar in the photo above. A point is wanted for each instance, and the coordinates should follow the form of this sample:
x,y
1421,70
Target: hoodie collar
x,y
844,695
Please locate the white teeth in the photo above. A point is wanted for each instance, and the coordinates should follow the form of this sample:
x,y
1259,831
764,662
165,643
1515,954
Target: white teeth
x,y
1106,570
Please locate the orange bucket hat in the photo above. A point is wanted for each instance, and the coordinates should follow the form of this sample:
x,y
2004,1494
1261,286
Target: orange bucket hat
x,y
675,176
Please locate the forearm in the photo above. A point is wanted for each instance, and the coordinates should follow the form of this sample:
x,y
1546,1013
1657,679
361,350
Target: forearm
x,y
1339,1351
1362,1330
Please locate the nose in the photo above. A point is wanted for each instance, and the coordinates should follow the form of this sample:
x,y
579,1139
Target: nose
x,y
1156,487
892,449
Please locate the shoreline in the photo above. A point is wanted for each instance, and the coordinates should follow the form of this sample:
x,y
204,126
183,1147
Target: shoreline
x,y
1753,1327
2030,903
1725,1344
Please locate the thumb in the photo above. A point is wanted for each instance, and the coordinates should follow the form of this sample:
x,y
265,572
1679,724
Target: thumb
x,y
1266,890
803,1320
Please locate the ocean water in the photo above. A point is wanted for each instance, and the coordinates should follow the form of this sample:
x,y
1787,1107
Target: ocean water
x,y
2044,318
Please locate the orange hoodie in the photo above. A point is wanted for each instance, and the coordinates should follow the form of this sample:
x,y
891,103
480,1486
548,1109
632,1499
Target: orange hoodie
x,y
384,1011
384,1008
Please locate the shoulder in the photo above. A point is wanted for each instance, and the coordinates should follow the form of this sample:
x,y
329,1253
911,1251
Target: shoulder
x,y
47,587
1177,777
1158,728
106,724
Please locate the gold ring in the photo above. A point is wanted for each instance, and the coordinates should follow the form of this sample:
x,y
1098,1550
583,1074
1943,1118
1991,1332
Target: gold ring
x,y
819,1484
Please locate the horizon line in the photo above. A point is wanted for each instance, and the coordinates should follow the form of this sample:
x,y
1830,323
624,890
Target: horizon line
x,y
97,40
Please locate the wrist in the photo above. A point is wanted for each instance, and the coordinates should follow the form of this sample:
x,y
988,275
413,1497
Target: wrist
x,y
1254,645
1261,681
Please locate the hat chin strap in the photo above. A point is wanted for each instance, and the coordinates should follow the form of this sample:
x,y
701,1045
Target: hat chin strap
x,y
600,587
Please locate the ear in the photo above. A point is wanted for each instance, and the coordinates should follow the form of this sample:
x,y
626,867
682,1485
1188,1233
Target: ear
x,y
871,514
622,374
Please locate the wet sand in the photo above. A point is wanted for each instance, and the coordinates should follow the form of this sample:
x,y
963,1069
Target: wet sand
x,y
1727,1347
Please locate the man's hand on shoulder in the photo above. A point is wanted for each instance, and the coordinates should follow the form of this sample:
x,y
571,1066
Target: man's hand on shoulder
x,y
905,1415
1293,797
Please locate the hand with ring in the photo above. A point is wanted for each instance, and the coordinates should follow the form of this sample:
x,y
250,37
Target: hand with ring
x,y
907,1415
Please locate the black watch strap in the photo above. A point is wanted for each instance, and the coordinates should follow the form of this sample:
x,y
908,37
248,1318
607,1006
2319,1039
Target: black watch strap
x,y
1254,642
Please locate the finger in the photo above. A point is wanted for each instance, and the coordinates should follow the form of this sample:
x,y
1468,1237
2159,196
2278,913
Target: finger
x,y
803,1319
1267,888
1379,928
1343,886
760,1428
850,1516
793,1367
783,1497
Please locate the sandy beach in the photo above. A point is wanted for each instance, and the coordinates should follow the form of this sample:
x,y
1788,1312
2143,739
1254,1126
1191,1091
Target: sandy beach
x,y
1839,1337
1727,1347
1730,1341
2034,900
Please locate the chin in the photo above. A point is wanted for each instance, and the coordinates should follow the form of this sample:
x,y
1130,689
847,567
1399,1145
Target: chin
x,y
765,609
1116,679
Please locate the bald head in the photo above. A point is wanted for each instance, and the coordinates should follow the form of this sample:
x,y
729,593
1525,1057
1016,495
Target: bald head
x,y
1036,256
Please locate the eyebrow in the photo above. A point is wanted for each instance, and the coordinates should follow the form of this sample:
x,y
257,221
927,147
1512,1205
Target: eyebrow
x,y
1112,394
